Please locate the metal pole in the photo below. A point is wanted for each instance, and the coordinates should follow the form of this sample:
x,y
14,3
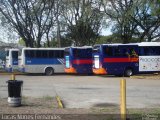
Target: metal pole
x,y
13,77
123,99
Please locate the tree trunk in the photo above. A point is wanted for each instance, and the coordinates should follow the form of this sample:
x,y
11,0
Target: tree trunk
x,y
58,33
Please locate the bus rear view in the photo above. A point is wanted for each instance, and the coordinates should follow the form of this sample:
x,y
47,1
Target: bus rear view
x,y
11,60
78,60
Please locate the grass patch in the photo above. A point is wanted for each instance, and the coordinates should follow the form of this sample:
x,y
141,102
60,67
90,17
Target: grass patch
x,y
47,97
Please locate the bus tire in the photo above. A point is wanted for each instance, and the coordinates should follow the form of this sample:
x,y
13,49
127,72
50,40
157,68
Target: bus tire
x,y
128,72
49,71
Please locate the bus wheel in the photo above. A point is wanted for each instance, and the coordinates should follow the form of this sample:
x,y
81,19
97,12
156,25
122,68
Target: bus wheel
x,y
128,72
49,71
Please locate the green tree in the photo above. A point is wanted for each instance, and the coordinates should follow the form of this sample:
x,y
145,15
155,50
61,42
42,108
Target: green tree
x,y
21,42
134,19
30,18
83,20
147,19
119,12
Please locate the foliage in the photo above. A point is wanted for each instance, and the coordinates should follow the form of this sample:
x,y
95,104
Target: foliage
x,y
21,42
134,19
30,18
83,20
114,38
147,22
56,23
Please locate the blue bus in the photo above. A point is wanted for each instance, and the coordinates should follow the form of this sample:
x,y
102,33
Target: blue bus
x,y
42,60
126,59
78,60
11,63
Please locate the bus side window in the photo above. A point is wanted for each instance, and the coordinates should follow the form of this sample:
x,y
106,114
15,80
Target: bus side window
x,y
44,54
32,54
51,54
117,52
155,51
158,50
88,53
61,53
109,51
27,53
148,51
75,52
125,52
133,52
58,54
38,54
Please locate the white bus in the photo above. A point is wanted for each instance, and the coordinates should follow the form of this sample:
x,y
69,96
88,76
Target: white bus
x,y
41,60
11,63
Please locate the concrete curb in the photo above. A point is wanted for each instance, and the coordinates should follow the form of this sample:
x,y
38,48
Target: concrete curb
x,y
16,73
139,77
59,101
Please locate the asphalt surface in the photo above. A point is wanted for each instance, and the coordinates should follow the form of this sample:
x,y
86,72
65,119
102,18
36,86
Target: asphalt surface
x,y
78,91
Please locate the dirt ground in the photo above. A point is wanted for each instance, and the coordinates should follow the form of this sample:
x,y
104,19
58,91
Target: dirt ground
x,y
47,108
29,105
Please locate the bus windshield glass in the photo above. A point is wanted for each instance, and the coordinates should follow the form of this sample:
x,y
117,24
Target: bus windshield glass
x,y
85,53
15,54
96,49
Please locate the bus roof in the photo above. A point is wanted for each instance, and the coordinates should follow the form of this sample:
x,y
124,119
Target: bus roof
x,y
149,44
80,47
42,48
139,44
12,49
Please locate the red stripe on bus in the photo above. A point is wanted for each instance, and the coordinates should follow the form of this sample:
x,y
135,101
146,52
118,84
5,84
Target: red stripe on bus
x,y
110,60
82,61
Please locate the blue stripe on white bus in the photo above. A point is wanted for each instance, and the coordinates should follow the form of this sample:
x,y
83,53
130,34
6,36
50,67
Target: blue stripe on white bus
x,y
43,61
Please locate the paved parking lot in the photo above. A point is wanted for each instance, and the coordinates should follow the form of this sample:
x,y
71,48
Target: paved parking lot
x,y
89,91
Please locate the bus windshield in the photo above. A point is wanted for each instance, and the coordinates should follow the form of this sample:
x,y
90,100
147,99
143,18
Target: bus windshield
x,y
85,53
15,54
67,51
96,49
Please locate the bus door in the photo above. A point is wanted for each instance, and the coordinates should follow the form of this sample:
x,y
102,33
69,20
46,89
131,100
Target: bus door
x,y
14,57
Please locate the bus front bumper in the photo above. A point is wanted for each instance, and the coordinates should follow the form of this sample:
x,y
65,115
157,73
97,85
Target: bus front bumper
x,y
99,71
70,70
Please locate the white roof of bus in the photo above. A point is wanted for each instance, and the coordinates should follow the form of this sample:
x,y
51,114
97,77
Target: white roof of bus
x,y
43,49
12,49
139,44
149,44
81,47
